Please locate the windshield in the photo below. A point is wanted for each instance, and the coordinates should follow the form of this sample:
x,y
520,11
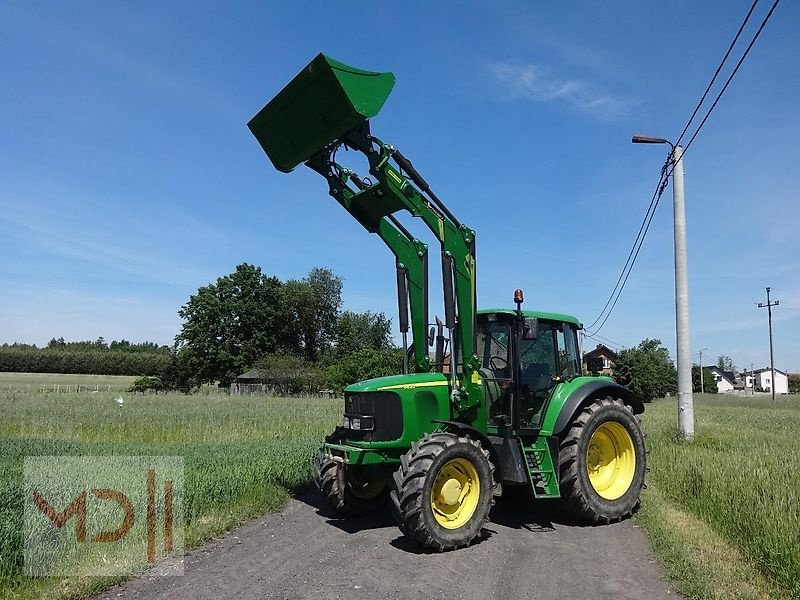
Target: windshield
x,y
494,347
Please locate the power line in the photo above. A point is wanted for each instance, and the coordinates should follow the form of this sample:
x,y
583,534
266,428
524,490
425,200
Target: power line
x,y
670,165
633,254
716,73
645,222
606,340
731,76
659,193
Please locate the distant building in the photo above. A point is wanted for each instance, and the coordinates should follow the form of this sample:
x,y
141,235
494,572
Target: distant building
x,y
726,380
603,355
761,379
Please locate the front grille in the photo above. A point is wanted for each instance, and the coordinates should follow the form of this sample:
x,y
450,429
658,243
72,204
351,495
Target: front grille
x,y
384,407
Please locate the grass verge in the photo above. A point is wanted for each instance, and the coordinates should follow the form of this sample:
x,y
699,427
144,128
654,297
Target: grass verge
x,y
723,512
244,455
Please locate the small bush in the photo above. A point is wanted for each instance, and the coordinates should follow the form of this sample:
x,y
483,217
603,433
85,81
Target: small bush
x,y
364,364
146,384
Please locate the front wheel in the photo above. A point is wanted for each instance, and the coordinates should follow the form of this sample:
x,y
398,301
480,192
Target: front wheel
x,y
443,491
602,462
350,491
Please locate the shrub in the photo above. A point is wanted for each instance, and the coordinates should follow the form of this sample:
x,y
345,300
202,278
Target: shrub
x,y
364,364
146,384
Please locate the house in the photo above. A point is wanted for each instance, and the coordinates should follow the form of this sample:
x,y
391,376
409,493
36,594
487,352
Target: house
x,y
726,380
762,378
602,356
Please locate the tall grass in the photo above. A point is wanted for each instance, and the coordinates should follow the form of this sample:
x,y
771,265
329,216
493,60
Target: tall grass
x,y
741,476
243,454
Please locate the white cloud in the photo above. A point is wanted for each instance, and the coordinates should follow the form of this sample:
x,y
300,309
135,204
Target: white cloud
x,y
537,83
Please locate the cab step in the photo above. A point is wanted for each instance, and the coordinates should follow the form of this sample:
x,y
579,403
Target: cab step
x,y
541,470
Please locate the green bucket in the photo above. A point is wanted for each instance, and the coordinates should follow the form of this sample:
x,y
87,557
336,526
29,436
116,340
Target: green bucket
x,y
325,101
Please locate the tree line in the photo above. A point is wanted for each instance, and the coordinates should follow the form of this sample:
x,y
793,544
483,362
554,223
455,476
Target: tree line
x,y
294,332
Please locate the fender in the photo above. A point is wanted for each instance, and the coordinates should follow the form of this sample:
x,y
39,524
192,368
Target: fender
x,y
456,427
580,397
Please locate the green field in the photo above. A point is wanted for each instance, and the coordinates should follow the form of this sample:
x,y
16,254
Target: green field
x,y
723,513
243,455
24,382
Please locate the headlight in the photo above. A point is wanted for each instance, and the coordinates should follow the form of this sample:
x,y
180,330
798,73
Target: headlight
x,y
359,423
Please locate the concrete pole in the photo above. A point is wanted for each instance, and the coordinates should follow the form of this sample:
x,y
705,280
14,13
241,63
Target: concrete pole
x,y
702,390
685,398
771,352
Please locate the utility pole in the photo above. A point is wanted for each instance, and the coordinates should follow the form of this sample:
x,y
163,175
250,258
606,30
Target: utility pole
x,y
769,306
702,390
685,397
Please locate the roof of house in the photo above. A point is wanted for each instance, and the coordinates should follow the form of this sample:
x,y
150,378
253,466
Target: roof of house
x,y
728,376
601,349
768,369
253,374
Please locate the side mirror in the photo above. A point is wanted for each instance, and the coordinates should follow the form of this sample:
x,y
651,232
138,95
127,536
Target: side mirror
x,y
431,335
530,328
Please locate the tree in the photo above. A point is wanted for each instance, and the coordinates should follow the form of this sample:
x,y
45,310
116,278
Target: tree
x,y
725,363
709,383
647,370
230,324
359,331
315,302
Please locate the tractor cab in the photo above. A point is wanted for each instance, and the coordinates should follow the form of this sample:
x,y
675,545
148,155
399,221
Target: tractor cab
x,y
524,356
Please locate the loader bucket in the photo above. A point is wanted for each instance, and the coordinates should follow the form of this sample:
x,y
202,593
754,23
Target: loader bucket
x,y
325,101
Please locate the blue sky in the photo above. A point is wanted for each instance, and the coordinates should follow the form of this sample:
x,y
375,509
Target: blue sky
x,y
128,177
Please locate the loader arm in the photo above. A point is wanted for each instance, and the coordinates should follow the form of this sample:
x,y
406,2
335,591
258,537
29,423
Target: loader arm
x,y
411,255
327,106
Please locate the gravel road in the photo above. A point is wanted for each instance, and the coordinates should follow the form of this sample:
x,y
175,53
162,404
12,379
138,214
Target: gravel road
x,y
304,552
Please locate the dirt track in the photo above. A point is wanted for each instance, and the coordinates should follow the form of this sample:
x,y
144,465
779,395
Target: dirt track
x,y
304,552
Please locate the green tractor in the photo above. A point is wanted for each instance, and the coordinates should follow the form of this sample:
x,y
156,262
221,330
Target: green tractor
x,y
502,401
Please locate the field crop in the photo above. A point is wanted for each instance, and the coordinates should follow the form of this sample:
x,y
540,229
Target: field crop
x,y
243,455
724,512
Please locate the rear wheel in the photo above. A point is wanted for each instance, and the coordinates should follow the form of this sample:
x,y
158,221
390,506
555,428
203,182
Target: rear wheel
x,y
350,491
602,462
443,491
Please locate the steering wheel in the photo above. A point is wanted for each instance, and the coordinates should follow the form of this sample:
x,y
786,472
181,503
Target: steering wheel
x,y
494,367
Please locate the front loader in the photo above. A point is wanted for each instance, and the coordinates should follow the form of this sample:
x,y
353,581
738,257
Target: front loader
x,y
503,402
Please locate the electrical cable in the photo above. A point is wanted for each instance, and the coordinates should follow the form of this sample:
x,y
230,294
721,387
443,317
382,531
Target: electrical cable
x,y
728,81
716,73
670,165
659,192
633,249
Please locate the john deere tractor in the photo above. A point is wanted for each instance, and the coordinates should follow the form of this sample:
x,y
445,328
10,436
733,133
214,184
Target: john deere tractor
x,y
500,403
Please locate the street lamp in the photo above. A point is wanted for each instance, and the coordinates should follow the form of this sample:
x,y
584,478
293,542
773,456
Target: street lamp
x,y
685,398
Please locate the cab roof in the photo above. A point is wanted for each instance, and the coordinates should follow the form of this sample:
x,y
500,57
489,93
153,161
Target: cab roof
x,y
546,316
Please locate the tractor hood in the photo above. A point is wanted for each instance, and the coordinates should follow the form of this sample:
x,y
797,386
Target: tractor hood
x,y
400,382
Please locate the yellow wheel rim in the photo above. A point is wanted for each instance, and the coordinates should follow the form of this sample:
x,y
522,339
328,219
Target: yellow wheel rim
x,y
455,493
364,488
611,460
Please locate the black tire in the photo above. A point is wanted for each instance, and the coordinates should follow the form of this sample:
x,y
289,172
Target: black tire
x,y
414,484
345,488
579,496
